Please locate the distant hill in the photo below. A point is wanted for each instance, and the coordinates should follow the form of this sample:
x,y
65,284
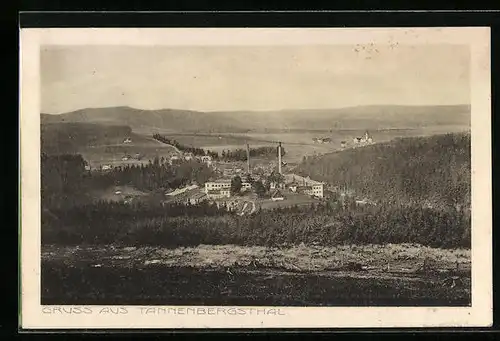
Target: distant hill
x,y
62,138
362,117
435,170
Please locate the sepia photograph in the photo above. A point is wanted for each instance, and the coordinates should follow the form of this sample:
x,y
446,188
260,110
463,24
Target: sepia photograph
x,y
249,175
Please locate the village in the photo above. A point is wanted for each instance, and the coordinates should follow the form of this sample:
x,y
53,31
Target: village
x,y
266,185
244,187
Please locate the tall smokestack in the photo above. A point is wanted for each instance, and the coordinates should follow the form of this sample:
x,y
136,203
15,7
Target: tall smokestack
x,y
279,157
248,159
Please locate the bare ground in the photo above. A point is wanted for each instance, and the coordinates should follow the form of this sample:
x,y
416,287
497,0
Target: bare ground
x,y
231,275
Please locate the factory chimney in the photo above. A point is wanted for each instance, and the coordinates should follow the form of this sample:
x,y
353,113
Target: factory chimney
x,y
248,159
279,157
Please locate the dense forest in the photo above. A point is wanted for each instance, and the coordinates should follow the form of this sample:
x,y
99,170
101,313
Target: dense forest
x,y
432,170
239,154
324,224
66,182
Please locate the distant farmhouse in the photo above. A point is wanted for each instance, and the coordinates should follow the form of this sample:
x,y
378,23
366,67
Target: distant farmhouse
x,y
363,141
322,140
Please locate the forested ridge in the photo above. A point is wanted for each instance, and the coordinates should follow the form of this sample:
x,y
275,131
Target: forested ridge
x,y
434,170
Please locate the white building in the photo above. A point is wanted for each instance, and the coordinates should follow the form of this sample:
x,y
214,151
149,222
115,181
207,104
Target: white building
x,y
309,186
223,185
217,185
246,185
219,194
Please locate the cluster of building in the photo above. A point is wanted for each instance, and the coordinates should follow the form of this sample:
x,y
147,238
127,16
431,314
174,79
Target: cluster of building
x,y
221,188
207,159
356,141
300,184
360,141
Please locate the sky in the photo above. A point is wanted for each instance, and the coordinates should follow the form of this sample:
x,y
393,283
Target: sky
x,y
225,78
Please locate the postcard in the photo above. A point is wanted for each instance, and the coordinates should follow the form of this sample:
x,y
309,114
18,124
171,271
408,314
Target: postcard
x,y
255,178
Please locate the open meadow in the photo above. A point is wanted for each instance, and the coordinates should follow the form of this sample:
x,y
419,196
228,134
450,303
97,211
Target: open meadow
x,y
299,143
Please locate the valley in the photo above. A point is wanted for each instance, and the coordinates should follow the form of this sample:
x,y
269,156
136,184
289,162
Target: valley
x,y
383,221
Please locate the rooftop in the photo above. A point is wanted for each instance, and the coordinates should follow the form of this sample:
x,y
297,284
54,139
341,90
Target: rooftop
x,y
220,181
197,195
300,179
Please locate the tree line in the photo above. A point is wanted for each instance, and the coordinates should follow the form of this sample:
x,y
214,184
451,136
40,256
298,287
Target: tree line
x,y
187,149
240,154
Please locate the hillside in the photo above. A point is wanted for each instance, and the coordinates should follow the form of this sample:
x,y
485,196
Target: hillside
x,y
100,143
73,137
362,117
150,120
434,170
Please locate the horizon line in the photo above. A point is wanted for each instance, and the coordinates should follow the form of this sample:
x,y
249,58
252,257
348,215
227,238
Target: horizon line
x,y
260,111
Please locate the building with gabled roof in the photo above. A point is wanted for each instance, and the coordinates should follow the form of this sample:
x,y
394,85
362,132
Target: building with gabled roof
x,y
276,195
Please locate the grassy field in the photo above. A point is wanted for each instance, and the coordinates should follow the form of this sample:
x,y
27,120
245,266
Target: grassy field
x,y
112,154
101,144
402,274
117,193
299,143
290,199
